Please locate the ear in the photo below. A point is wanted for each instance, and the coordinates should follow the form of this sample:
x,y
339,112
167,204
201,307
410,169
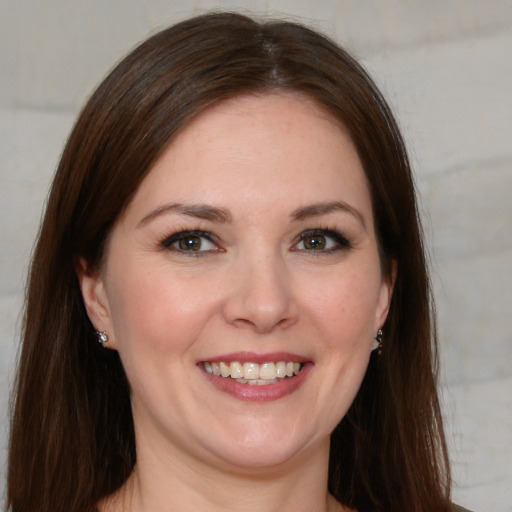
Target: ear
x,y
386,293
95,299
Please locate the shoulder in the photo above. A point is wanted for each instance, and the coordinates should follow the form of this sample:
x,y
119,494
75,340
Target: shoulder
x,y
457,508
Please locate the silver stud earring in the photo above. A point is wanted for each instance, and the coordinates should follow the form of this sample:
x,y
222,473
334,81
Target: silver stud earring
x,y
102,337
378,342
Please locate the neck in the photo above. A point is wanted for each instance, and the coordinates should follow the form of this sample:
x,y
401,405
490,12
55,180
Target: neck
x,y
159,483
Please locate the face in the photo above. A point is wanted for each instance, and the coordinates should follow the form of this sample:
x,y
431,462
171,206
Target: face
x,y
242,286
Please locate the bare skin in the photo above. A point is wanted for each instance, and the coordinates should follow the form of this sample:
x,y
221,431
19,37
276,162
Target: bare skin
x,y
251,238
225,493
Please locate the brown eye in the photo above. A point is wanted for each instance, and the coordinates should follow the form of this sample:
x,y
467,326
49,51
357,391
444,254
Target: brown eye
x,y
190,243
314,242
321,241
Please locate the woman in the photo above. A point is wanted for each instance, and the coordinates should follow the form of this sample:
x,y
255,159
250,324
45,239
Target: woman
x,y
228,305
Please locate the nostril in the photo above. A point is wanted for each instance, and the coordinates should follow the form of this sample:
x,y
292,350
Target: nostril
x,y
261,299
263,327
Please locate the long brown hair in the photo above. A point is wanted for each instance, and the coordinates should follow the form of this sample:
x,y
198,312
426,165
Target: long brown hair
x,y
72,439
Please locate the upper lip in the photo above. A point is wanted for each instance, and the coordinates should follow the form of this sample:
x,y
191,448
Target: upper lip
x,y
254,357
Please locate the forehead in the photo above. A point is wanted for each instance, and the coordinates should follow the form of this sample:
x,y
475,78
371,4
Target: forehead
x,y
278,146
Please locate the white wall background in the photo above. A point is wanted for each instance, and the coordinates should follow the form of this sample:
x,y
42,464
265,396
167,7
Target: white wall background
x,y
445,65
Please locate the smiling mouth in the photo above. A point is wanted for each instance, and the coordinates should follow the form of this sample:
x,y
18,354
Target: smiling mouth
x,y
254,373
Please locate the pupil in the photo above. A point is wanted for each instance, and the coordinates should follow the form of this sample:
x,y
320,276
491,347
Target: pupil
x,y
315,242
190,243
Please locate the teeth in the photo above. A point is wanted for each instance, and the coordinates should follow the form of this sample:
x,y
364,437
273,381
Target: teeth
x,y
281,369
251,371
215,369
225,370
254,373
268,371
258,382
237,370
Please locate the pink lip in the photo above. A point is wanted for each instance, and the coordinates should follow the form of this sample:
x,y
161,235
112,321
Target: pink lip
x,y
255,393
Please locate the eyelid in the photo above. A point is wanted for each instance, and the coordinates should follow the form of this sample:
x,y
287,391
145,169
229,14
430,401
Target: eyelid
x,y
179,234
342,241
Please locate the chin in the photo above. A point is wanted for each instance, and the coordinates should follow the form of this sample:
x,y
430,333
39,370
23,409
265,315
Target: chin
x,y
252,461
263,447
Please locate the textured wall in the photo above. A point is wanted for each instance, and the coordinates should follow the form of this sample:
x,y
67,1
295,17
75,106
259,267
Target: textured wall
x,y
446,66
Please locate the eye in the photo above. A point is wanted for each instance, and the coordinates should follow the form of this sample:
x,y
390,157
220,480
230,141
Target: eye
x,y
321,240
191,242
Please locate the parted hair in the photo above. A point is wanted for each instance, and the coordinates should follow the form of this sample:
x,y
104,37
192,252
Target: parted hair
x,y
72,439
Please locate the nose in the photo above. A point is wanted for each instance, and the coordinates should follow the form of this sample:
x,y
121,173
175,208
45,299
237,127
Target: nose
x,y
262,296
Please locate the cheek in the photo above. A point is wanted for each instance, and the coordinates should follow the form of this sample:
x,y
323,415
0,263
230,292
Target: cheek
x,y
156,309
152,319
345,309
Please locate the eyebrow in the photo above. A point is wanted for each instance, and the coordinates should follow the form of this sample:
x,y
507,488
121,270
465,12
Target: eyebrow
x,y
214,214
318,209
199,211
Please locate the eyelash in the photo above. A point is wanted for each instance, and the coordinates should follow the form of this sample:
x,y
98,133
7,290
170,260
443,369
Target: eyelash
x,y
341,242
167,242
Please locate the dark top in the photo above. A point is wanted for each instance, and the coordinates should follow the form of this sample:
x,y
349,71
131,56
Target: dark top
x,y
460,509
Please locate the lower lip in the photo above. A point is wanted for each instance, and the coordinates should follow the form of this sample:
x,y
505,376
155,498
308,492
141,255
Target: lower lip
x,y
259,393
